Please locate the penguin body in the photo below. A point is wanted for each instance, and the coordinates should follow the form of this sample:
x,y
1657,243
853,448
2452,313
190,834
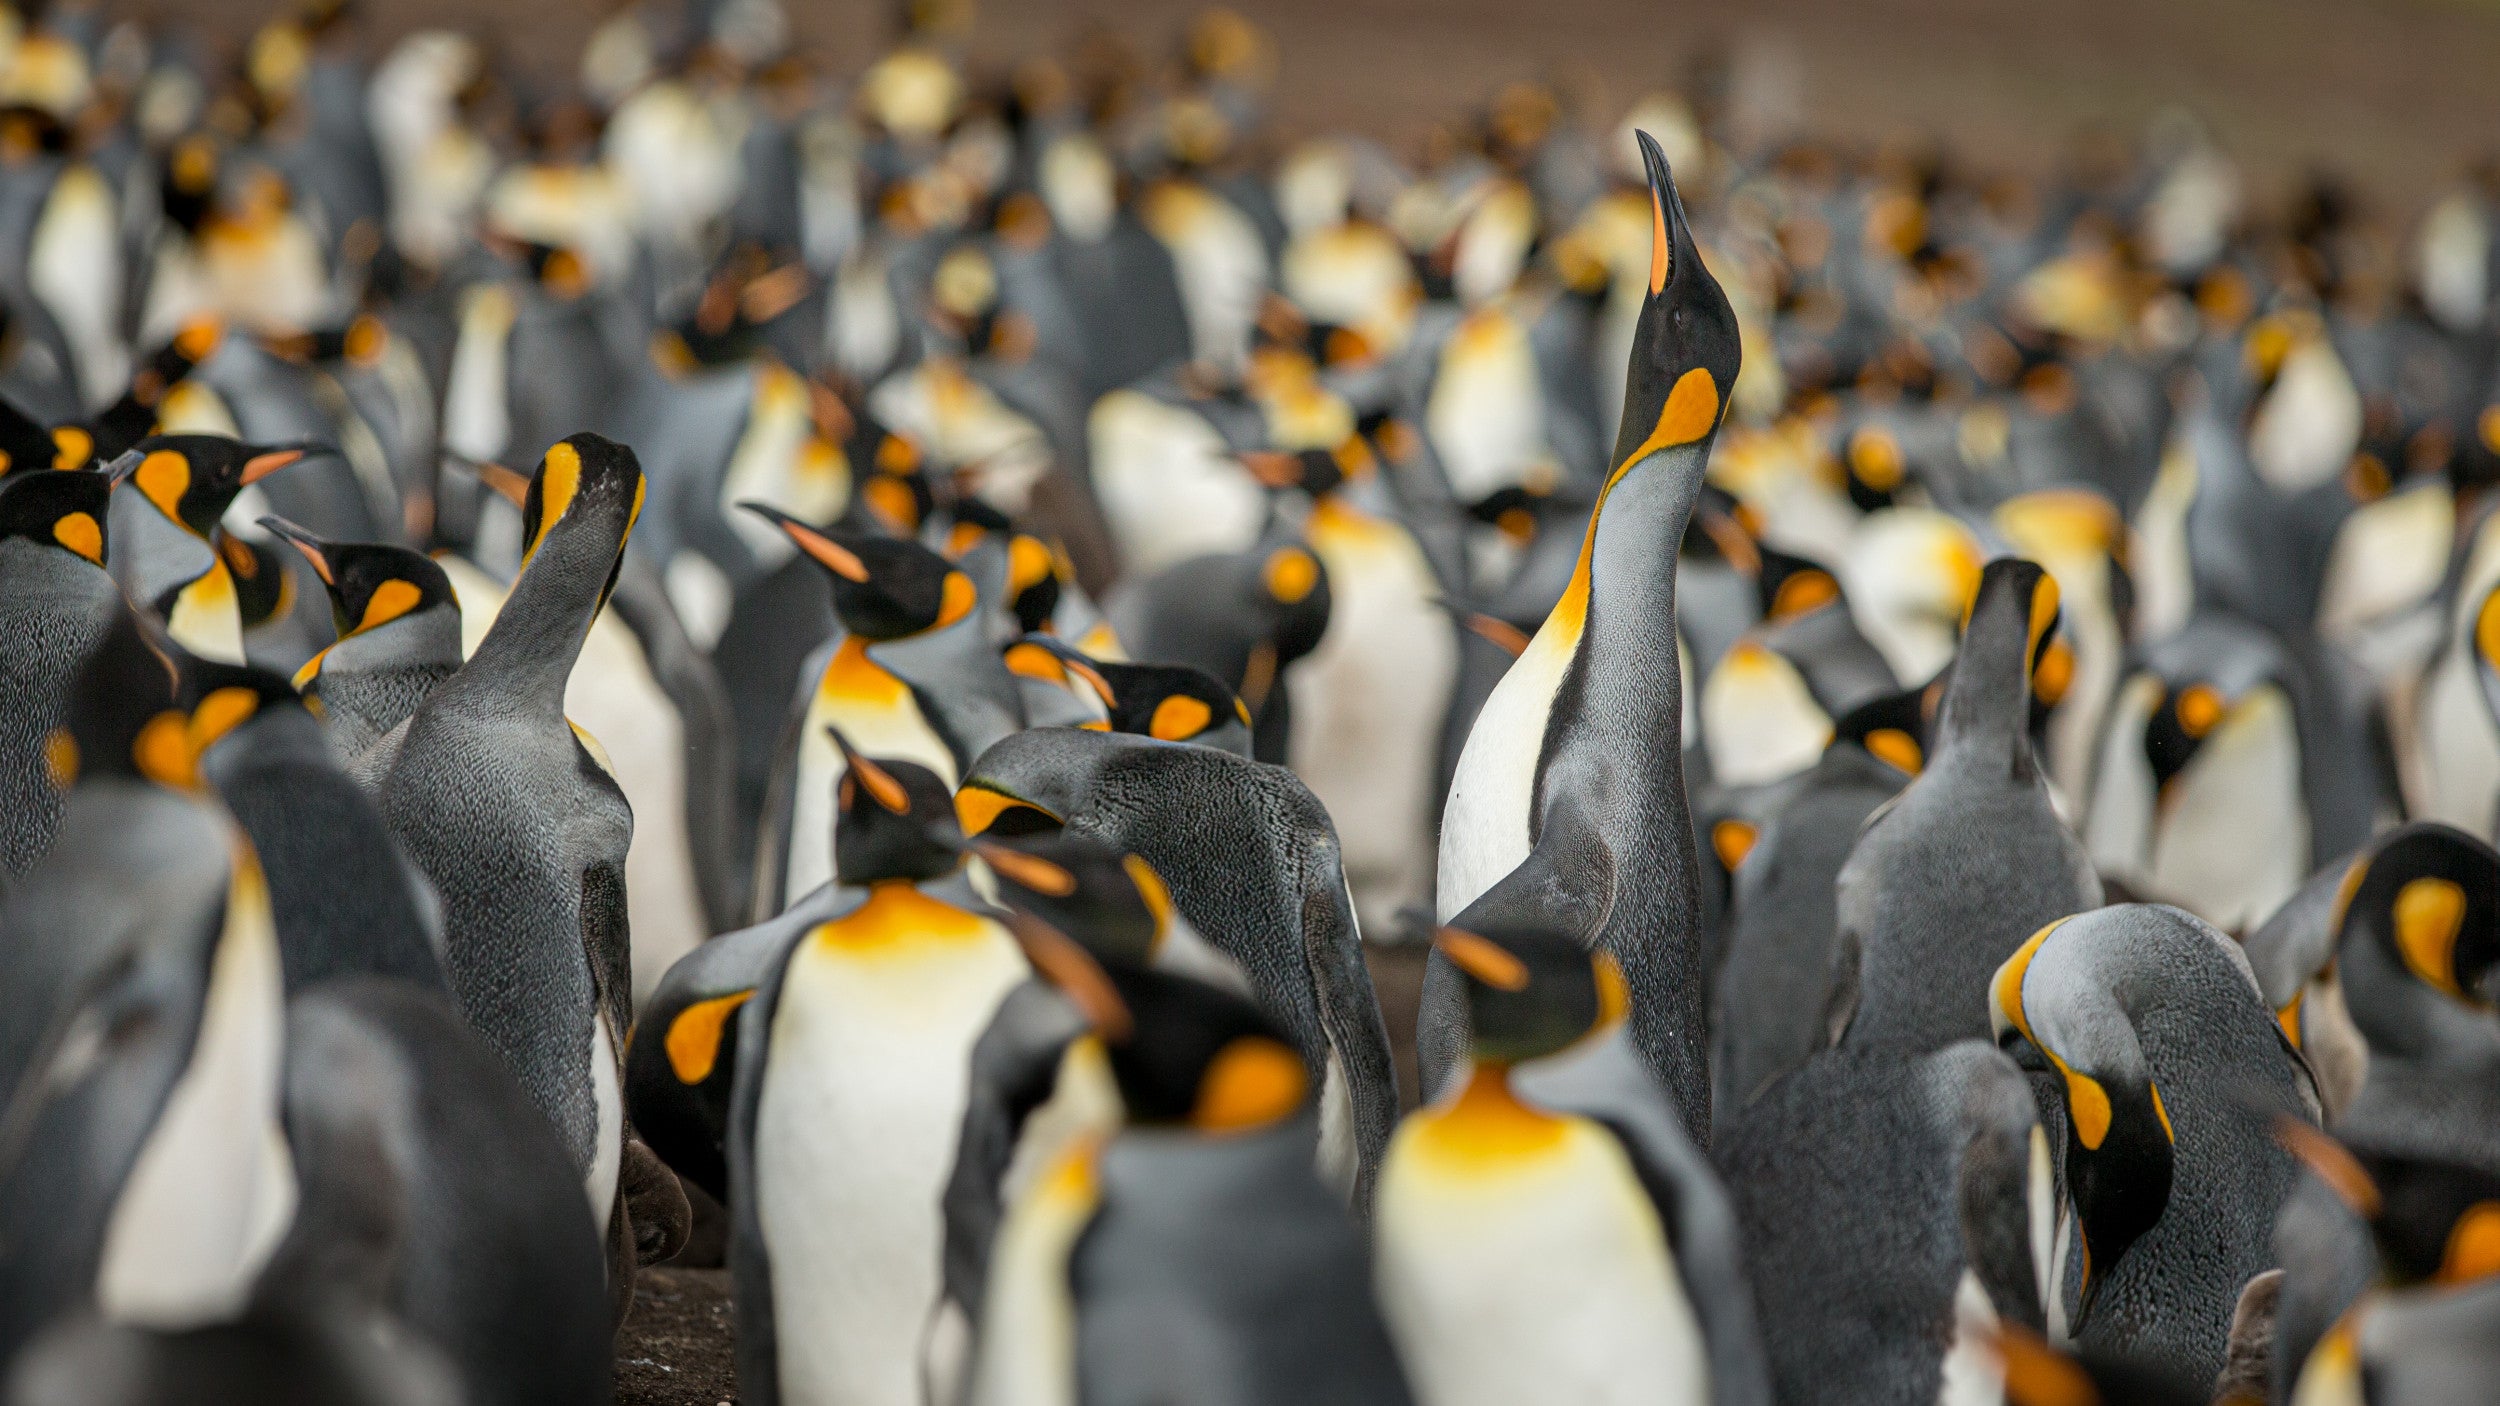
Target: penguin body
x,y
55,601
1542,813
524,833
1886,1199
1269,893
1972,858
144,1047
431,1183
1524,1249
398,625
852,1062
1191,1252
2150,1043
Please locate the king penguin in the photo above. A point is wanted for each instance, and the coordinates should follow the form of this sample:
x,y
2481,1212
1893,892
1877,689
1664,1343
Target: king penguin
x,y
523,833
894,599
182,486
1948,880
147,1174
398,624
853,1058
56,600
1190,1253
2150,1045
1525,1252
1251,857
1545,815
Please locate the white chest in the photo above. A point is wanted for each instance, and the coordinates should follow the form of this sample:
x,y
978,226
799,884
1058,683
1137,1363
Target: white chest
x,y
1484,825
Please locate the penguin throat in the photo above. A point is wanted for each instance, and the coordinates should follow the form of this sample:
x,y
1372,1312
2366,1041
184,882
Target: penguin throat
x,y
1486,1121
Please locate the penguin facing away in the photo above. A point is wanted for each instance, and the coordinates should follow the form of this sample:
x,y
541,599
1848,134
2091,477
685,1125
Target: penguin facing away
x,y
1543,816
1191,1253
524,833
1499,1220
142,1045
56,600
1949,879
853,1057
2146,1035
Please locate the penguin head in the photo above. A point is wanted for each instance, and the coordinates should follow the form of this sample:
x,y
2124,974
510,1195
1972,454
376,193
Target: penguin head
x,y
222,698
371,584
884,588
1895,728
1790,586
2435,1221
123,721
1684,348
581,507
264,590
1992,688
1531,990
26,444
893,820
1292,588
129,419
1036,578
985,809
1186,1054
193,478
2057,1006
2418,944
2187,714
1175,703
1113,905
64,510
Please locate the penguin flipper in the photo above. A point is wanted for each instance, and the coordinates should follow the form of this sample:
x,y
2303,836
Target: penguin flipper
x,y
1349,1011
1015,1065
690,1026
1611,1084
1992,1186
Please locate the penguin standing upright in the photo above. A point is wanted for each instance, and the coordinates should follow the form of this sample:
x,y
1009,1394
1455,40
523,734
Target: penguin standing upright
x,y
1192,1246
1525,1252
1545,814
55,601
510,813
398,626
853,1058
1946,882
897,601
181,487
2145,1031
141,1047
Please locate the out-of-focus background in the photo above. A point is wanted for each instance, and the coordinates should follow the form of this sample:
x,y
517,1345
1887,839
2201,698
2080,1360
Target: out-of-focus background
x,y
2389,96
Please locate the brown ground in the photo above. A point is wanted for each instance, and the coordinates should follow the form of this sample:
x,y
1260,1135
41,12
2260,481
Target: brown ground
x,y
2393,93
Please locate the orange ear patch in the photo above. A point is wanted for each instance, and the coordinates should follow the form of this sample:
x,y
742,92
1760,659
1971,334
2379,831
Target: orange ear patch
x,y
81,534
1179,718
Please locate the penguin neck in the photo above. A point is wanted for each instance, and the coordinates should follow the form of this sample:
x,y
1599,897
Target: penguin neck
x,y
1487,1113
1986,711
1618,614
538,635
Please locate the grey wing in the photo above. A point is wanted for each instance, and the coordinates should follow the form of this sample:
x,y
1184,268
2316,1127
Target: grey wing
x,y
1992,1186
1349,1010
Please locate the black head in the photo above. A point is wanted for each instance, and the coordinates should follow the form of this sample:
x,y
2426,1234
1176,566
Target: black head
x,y
1531,990
883,587
370,583
1175,703
64,510
123,719
2435,1221
1292,588
358,342
2056,1007
2187,713
1790,586
26,444
893,820
127,421
193,478
1895,728
1113,905
1684,349
1989,693
2418,934
221,697
588,488
1036,577
263,588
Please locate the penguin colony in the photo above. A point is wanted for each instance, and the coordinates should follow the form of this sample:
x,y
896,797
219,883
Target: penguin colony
x,y
1954,848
